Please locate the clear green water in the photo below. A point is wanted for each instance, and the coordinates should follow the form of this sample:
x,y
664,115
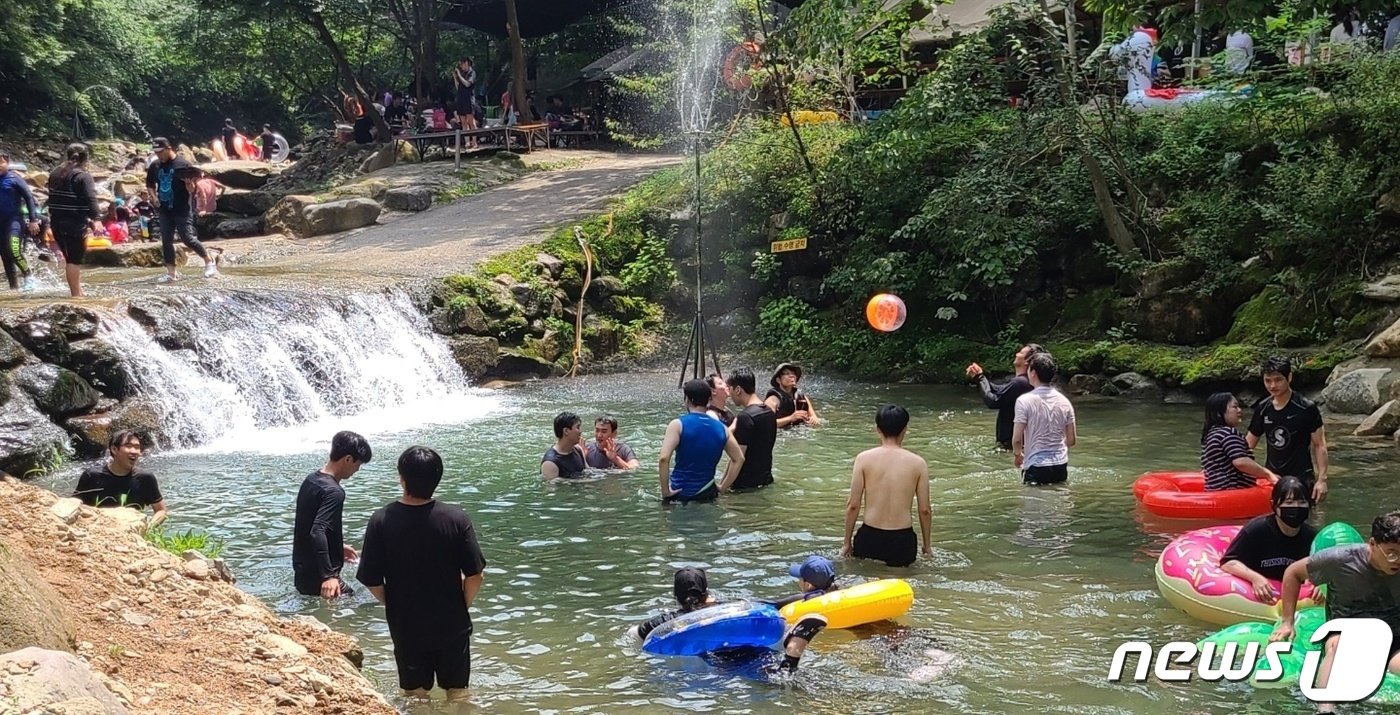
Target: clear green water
x,y
1030,590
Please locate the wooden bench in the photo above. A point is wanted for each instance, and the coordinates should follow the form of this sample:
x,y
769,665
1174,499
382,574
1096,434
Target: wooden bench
x,y
452,141
578,137
530,133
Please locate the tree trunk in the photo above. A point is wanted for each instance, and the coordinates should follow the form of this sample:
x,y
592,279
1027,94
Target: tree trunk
x,y
1067,71
517,63
347,75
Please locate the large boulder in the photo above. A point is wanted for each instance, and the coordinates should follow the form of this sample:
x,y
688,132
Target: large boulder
x,y
169,322
240,174
1135,386
286,215
515,366
1356,393
1085,384
46,331
1385,290
128,255
11,352
1382,422
337,216
98,362
28,440
31,614
1180,317
246,203
535,303
1389,202
408,198
221,225
456,318
548,266
476,355
382,159
50,681
91,431
37,179
1386,344
605,287
57,392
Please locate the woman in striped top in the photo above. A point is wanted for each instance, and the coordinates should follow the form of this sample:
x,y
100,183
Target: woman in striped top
x,y
1225,458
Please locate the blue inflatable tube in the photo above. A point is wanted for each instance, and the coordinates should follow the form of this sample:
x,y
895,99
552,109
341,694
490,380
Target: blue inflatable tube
x,y
731,625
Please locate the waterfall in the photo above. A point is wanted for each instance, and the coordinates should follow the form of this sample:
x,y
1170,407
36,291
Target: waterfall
x,y
219,367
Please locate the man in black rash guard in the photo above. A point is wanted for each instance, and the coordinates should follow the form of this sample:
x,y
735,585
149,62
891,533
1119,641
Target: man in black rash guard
x,y
755,429
1292,426
566,459
319,550
422,561
1002,398
692,592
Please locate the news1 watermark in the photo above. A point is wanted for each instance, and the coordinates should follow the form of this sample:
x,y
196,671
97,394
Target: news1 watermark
x,y
1359,666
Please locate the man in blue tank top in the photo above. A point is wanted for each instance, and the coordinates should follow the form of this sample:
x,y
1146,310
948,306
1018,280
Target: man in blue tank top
x,y
697,440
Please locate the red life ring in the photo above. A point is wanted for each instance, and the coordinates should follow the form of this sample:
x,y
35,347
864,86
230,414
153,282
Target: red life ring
x,y
737,76
1183,495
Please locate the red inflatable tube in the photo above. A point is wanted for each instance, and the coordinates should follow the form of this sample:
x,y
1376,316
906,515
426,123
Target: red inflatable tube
x,y
1183,495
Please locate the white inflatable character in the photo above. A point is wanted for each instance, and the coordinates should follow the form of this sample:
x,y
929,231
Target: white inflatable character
x,y
1136,54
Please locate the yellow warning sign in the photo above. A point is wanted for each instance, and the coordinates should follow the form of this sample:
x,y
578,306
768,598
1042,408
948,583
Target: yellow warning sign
x,y
794,244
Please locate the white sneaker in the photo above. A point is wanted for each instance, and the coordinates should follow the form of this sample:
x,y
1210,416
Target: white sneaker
x,y
167,278
211,269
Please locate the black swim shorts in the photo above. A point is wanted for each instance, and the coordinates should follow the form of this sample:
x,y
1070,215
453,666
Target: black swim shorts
x,y
1053,474
898,547
449,661
72,240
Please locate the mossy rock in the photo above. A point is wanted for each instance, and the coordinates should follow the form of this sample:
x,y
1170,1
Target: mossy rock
x,y
1275,318
1095,310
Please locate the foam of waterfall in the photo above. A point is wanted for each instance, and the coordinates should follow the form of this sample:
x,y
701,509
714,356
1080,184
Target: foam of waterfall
x,y
281,369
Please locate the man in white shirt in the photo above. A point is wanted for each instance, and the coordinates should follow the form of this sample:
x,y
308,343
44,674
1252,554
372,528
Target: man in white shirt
x,y
1044,427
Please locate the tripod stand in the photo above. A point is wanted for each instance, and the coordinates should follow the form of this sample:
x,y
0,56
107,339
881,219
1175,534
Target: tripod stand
x,y
699,341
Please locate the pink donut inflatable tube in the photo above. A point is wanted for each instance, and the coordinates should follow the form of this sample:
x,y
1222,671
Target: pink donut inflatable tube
x,y
1190,578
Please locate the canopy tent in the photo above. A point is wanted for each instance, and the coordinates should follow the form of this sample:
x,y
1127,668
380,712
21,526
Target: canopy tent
x,y
537,17
619,62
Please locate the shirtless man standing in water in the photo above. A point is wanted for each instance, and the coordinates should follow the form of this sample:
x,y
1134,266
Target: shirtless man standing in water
x,y
888,479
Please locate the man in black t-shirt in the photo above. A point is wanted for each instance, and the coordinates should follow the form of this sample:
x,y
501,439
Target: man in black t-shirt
x,y
755,429
319,550
1002,398
166,179
118,484
1292,427
421,560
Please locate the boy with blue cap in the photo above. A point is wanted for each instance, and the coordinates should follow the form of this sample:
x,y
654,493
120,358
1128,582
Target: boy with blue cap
x,y
815,576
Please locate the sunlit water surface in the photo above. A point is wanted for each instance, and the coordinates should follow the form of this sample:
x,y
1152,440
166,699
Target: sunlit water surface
x,y
1029,591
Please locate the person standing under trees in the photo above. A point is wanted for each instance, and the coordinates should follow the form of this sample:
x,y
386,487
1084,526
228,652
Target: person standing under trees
x,y
72,211
319,550
230,146
421,560
1002,398
15,199
168,181
269,143
464,79
1292,426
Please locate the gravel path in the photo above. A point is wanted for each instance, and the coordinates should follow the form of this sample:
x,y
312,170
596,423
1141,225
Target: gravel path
x,y
451,239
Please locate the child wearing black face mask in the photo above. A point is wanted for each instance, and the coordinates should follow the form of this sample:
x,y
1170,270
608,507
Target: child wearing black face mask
x,y
1265,547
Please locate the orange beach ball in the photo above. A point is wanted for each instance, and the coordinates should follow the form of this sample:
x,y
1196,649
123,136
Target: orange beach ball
x,y
886,312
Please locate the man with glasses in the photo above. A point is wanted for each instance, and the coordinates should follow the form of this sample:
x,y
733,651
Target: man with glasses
x,y
1361,583
1002,397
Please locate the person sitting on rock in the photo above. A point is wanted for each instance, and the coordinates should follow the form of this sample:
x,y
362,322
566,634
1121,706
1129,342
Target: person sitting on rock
x,y
118,484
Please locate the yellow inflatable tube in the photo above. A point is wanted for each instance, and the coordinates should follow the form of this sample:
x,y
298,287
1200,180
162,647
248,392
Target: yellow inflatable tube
x,y
807,116
96,242
849,607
